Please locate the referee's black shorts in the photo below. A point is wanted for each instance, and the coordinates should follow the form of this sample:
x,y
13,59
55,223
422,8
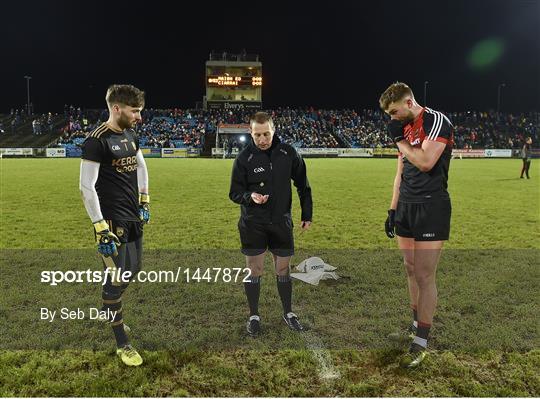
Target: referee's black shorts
x,y
256,238
425,221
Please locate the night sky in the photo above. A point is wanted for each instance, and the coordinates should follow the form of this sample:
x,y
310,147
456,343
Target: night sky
x,y
342,55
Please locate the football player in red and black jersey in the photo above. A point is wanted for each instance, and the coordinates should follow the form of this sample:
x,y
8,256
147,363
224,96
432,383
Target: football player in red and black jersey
x,y
114,187
420,209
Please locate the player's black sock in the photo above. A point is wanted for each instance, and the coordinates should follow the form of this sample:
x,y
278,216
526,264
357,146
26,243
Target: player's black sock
x,y
253,291
112,307
120,334
112,301
415,318
284,286
118,326
422,334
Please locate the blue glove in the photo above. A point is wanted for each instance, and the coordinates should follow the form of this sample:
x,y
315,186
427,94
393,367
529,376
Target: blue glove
x,y
107,242
144,208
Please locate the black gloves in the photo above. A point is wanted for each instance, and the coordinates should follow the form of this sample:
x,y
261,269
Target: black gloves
x,y
395,130
390,224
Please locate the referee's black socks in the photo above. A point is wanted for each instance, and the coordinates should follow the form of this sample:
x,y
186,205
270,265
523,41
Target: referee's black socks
x,y
284,286
253,291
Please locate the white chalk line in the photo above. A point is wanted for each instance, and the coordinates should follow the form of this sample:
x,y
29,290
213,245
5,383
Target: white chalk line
x,y
327,370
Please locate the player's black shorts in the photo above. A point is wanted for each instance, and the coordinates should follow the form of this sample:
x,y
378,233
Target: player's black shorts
x,y
126,230
257,238
425,221
129,258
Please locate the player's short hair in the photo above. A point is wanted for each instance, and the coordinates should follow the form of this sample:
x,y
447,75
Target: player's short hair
x,y
261,117
124,94
395,92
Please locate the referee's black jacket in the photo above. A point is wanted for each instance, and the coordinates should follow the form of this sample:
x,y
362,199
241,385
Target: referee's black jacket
x,y
254,171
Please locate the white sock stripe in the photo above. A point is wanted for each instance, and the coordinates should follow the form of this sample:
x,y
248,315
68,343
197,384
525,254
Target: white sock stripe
x,y
254,317
415,324
420,341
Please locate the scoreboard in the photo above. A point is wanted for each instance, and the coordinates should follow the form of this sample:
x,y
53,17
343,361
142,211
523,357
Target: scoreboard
x,y
216,81
233,83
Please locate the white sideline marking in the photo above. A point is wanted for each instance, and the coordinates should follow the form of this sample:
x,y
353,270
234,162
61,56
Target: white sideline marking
x,y
316,346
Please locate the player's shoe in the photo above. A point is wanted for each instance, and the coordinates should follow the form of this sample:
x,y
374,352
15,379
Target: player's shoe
x,y
403,336
414,357
253,325
292,321
129,355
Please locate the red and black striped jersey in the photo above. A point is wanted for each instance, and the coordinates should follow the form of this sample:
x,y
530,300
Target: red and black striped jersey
x,y
418,186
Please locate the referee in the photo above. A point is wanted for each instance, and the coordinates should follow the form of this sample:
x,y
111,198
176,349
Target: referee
x,y
261,184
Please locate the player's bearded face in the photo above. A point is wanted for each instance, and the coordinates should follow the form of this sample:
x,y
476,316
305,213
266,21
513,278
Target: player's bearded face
x,y
129,117
262,134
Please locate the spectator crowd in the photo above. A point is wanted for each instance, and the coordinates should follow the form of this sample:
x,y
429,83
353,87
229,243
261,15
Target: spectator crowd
x,y
300,127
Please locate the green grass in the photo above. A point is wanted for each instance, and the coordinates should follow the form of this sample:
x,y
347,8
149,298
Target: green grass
x,y
486,335
492,208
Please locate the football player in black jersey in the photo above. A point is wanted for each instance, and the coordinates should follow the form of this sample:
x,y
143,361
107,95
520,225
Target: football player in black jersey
x,y
420,209
114,187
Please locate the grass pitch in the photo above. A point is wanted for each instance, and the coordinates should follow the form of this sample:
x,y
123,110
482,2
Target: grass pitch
x,y
485,338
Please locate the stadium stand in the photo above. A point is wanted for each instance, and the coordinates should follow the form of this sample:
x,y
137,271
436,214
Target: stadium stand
x,y
300,127
20,130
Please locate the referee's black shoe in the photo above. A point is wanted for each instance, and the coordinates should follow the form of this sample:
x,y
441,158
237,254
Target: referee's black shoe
x,y
292,321
253,325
